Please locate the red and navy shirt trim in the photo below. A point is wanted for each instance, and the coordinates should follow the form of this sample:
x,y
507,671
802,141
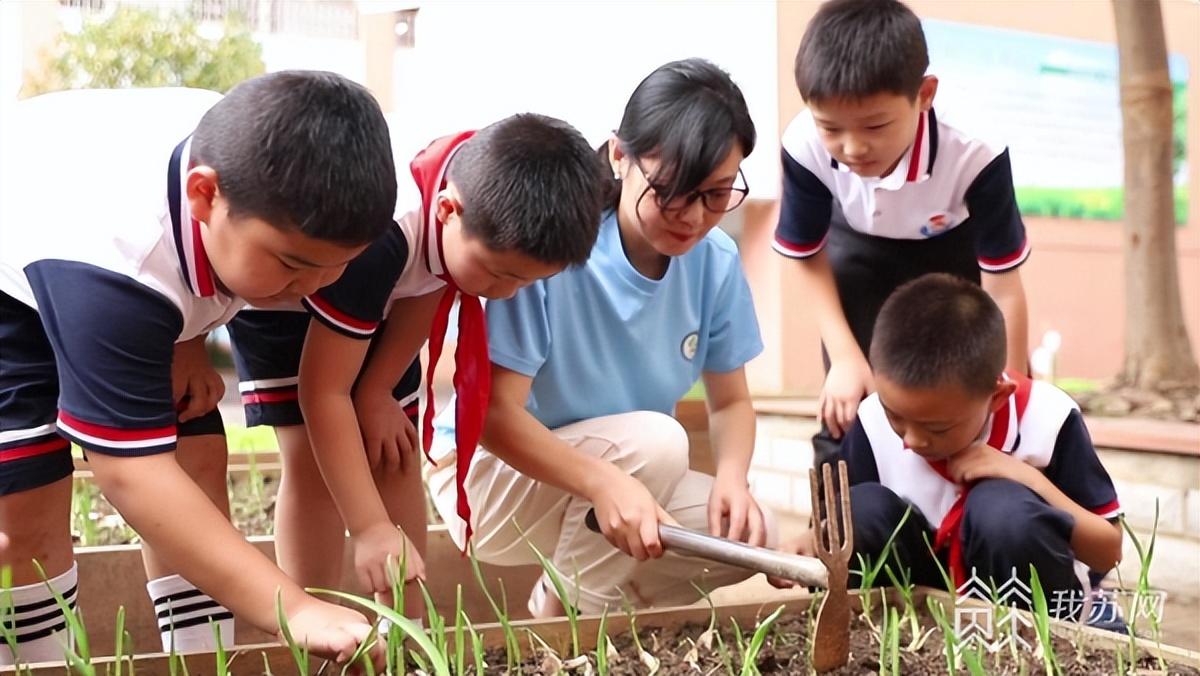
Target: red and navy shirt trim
x,y
429,170
185,229
356,303
1074,466
113,347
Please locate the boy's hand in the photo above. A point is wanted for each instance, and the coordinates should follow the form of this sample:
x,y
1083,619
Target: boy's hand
x,y
980,461
629,515
388,435
848,381
195,384
331,631
802,545
733,512
381,550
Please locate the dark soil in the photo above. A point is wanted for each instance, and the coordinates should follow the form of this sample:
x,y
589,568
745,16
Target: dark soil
x,y
786,651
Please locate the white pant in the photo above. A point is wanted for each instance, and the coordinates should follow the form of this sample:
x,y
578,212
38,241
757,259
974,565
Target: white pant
x,y
649,446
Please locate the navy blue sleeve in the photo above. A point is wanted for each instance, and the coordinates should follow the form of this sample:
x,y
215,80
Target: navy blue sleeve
x,y
992,202
804,213
354,305
1076,470
860,459
113,341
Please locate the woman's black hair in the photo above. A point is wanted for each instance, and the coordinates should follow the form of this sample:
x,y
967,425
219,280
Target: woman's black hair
x,y
688,114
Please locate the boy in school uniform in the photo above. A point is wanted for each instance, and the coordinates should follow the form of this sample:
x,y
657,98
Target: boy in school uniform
x,y
134,222
480,214
878,191
998,470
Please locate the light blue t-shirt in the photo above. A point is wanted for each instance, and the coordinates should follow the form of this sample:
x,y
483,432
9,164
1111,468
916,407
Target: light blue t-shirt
x,y
602,339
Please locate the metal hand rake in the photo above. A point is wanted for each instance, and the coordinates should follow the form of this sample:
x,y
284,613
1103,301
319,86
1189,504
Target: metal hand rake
x,y
834,540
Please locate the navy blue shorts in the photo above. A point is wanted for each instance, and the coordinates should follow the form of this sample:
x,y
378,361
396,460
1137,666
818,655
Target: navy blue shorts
x,y
32,453
266,350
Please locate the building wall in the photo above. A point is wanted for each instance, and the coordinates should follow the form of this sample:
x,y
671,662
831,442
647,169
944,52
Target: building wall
x,y
1074,278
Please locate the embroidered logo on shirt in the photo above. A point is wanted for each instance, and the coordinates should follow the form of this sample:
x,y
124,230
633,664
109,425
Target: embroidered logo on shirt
x,y
937,225
688,347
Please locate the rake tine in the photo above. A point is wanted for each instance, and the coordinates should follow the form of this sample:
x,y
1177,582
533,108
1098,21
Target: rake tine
x,y
832,519
847,520
815,495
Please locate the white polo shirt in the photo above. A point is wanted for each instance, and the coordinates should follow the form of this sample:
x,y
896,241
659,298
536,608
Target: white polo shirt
x,y
96,236
1039,425
973,180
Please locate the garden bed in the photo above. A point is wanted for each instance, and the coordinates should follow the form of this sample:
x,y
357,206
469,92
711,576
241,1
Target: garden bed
x,y
773,640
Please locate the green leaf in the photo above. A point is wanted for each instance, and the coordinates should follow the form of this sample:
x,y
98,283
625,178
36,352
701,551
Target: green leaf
x,y
436,659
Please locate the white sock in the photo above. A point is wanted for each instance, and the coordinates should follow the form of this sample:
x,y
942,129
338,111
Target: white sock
x,y
40,627
186,616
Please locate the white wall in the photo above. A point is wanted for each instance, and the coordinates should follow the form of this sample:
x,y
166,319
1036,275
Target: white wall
x,y
579,60
476,62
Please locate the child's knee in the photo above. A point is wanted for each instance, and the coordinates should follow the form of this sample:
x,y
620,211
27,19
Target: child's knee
x,y
1004,515
37,523
660,448
205,458
877,511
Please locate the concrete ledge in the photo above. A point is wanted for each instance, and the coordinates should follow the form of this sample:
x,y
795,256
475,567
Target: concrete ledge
x,y
1137,434
1160,436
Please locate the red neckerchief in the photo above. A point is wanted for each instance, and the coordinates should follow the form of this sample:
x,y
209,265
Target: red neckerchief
x,y
472,369
949,532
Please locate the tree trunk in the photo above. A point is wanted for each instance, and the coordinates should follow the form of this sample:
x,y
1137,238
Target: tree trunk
x,y
1158,354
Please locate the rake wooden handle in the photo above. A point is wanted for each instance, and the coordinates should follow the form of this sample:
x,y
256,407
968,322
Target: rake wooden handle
x,y
802,569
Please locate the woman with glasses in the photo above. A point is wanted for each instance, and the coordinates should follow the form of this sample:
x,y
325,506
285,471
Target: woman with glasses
x,y
587,367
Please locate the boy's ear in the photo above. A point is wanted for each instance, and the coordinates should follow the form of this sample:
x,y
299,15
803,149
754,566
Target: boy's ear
x,y
1004,390
201,187
927,91
447,205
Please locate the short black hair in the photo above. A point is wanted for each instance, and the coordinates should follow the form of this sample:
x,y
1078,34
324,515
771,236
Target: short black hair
x,y
304,150
853,49
689,114
531,184
940,329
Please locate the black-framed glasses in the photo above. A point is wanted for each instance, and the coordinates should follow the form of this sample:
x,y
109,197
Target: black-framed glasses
x,y
716,200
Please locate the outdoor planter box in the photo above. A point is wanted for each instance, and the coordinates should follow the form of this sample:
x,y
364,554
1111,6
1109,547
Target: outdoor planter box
x,y
111,577
556,634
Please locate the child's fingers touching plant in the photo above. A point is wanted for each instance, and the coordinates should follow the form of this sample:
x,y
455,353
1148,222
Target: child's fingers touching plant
x,y
376,549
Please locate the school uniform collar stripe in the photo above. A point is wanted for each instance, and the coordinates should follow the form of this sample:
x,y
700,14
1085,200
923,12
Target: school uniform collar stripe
x,y
914,160
1003,432
924,149
435,258
189,246
931,143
